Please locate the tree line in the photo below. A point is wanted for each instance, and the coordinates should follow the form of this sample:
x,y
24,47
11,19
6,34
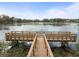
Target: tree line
x,y
4,19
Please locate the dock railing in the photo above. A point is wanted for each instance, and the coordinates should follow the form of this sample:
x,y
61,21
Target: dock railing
x,y
20,35
61,36
31,51
49,52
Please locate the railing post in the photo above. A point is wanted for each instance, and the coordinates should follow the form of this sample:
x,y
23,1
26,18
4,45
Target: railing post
x,y
47,51
35,44
33,51
15,35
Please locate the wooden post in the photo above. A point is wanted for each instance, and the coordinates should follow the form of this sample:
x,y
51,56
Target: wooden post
x,y
22,35
64,44
27,36
33,51
75,37
14,35
35,42
47,51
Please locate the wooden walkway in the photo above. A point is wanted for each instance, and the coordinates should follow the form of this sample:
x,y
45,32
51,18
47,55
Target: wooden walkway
x,y
40,46
40,49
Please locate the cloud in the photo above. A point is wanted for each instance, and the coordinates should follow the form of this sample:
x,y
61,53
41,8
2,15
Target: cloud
x,y
51,11
74,7
71,11
54,13
29,14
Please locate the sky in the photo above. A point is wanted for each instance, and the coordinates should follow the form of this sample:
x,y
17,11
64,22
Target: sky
x,y
40,10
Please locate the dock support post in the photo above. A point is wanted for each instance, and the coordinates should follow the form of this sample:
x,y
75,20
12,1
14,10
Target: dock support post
x,y
64,44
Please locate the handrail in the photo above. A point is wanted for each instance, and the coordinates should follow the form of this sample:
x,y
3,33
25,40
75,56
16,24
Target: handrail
x,y
55,36
48,47
18,35
30,53
61,35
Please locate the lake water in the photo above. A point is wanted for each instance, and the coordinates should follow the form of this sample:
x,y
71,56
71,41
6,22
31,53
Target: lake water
x,y
72,27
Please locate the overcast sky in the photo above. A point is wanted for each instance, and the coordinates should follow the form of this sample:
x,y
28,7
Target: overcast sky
x,y
39,10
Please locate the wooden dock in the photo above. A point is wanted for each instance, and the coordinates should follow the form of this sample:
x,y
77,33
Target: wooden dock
x,y
51,36
40,46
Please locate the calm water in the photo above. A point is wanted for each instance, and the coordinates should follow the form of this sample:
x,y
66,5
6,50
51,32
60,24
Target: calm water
x,y
73,27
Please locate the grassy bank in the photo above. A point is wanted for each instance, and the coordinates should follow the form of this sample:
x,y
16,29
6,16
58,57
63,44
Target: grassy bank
x,y
17,52
17,49
60,52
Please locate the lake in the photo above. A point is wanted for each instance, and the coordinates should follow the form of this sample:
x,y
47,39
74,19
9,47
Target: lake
x,y
72,27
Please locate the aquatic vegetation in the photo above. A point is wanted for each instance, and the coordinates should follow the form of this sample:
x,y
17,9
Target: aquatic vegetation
x,y
18,50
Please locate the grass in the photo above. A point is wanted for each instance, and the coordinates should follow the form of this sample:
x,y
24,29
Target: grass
x,y
21,50
60,52
77,47
77,53
18,51
54,23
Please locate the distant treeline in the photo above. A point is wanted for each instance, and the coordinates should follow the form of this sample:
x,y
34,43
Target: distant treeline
x,y
4,19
